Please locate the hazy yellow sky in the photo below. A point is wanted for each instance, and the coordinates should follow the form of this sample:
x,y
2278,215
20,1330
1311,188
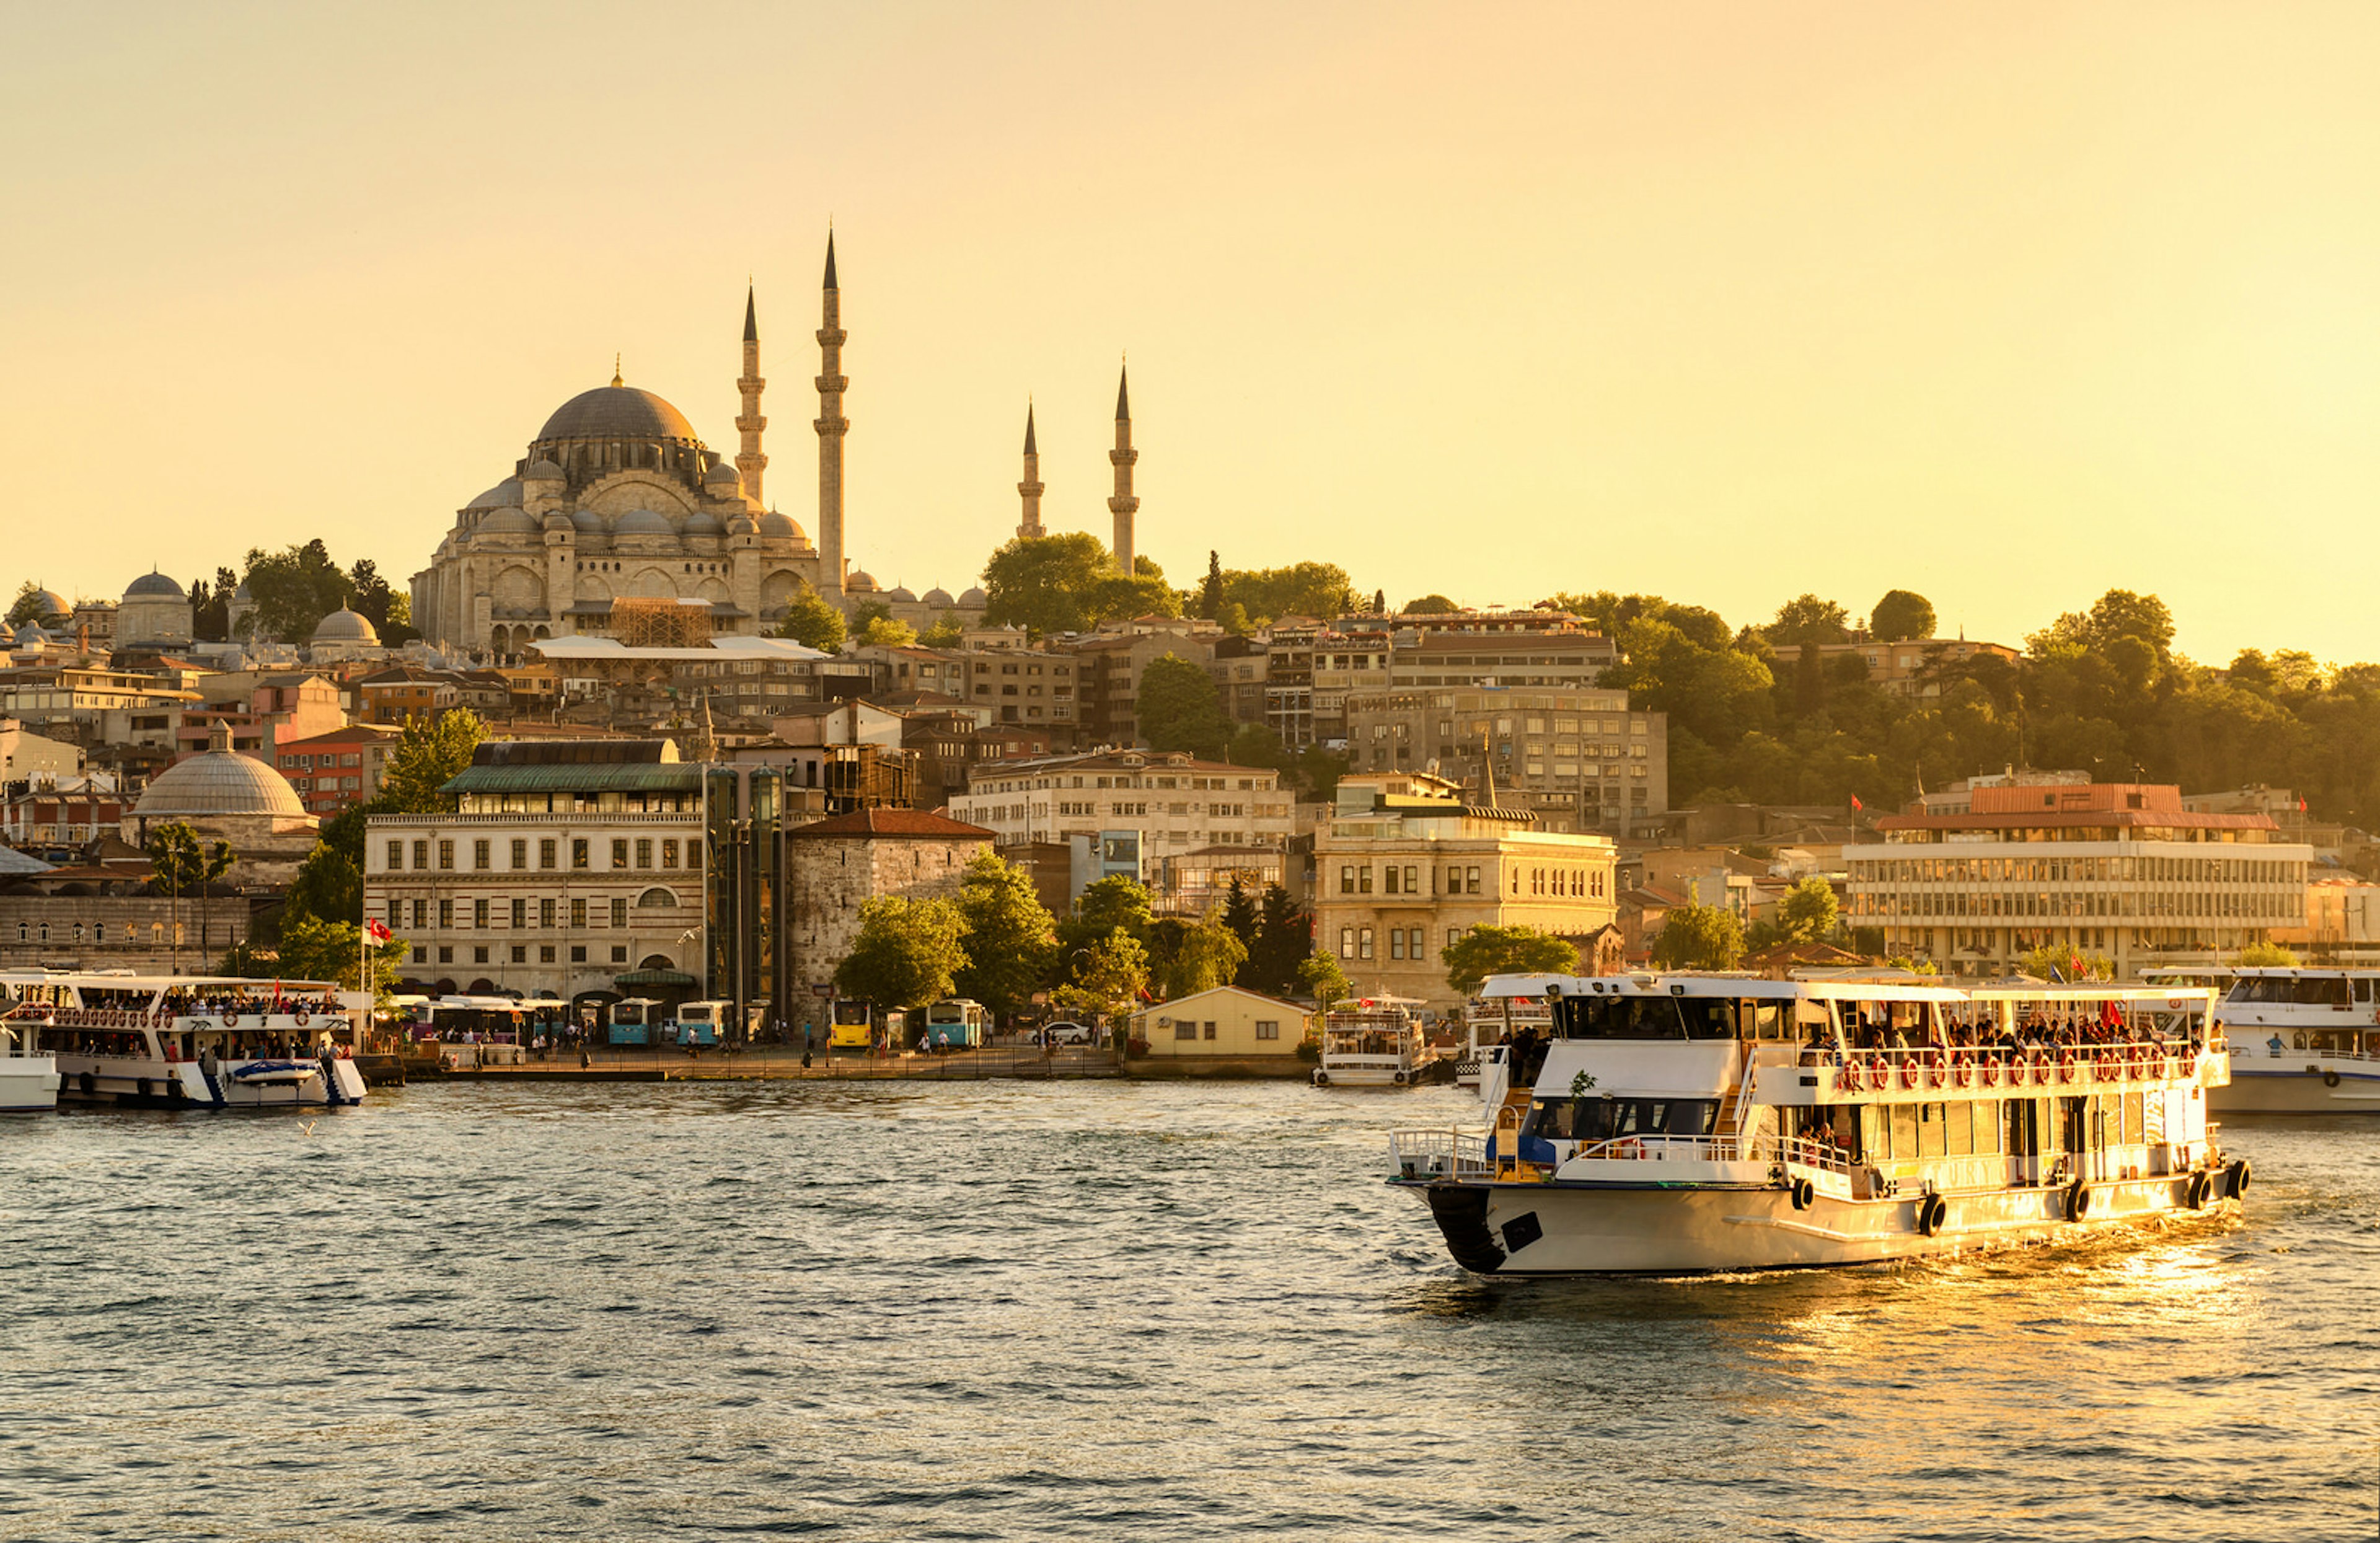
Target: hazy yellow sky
x,y
2004,303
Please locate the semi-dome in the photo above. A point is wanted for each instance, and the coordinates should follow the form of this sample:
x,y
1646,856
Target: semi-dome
x,y
344,626
509,520
46,603
505,494
153,585
781,526
702,522
975,596
940,596
616,412
217,782
643,522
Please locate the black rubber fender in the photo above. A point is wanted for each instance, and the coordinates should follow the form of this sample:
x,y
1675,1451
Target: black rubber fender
x,y
2235,1178
1806,1194
2195,1193
1932,1215
2078,1201
2330,1079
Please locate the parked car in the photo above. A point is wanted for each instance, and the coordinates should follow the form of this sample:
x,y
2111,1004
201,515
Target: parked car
x,y
1065,1032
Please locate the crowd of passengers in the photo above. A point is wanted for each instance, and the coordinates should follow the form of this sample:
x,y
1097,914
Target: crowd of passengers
x,y
2036,1032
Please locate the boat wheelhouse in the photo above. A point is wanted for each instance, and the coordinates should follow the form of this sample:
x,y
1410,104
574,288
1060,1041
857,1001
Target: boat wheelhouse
x,y
192,1041
2304,1042
1491,1021
1675,1124
1371,1042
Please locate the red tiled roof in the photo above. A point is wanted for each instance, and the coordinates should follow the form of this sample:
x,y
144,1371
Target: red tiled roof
x,y
915,824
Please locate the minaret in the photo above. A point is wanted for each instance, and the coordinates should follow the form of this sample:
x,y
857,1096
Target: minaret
x,y
1030,488
1124,505
832,426
748,460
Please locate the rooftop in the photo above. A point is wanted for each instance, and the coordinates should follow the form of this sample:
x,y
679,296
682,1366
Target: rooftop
x,y
913,824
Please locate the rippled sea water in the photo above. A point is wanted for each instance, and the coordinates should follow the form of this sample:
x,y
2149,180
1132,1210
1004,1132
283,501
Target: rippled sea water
x,y
1096,1311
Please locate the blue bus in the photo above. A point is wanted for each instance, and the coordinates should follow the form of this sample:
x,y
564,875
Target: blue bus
x,y
954,1023
633,1021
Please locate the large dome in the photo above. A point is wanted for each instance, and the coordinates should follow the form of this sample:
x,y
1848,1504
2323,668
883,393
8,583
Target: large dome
x,y
217,782
344,626
48,604
154,583
616,412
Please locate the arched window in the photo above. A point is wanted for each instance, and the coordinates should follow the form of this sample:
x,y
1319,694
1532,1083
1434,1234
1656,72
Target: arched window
x,y
657,898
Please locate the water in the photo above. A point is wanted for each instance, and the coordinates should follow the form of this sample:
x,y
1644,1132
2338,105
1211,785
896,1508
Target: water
x,y
1096,1311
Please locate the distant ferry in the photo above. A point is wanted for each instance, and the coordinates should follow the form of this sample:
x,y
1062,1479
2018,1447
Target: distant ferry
x,y
2304,1042
1371,1042
1676,1124
188,1041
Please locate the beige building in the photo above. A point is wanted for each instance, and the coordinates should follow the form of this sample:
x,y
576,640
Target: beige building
x,y
1227,1020
2117,868
1556,748
1138,807
1403,868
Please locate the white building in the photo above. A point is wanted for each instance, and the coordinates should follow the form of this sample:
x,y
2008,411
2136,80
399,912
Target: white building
x,y
1138,806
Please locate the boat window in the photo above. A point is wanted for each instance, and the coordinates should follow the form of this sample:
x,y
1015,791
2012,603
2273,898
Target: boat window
x,y
1905,1130
1707,1017
1932,1124
2362,987
1621,1017
1769,1021
1958,1129
2321,993
1875,1132
1603,1119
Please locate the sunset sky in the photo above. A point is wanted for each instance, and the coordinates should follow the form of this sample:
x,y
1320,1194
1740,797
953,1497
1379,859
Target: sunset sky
x,y
2007,304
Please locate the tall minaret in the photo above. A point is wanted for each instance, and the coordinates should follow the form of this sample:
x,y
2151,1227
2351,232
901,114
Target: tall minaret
x,y
1124,505
832,426
1030,488
748,460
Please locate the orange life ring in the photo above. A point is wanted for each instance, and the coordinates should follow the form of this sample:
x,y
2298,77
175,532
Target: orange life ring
x,y
231,1020
1965,1071
1630,1147
1909,1070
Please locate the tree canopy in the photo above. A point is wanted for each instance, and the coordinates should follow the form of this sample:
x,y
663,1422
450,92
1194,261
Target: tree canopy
x,y
293,589
887,632
1429,605
1901,615
1809,911
431,753
1698,937
1181,709
1187,957
1109,978
1320,590
908,952
1487,950
1011,937
1068,583
811,620
1113,903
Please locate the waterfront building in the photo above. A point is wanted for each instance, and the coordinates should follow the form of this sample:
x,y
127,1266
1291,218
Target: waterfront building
x,y
259,711
2116,868
1136,808
564,865
1226,1021
834,867
1404,866
1574,752
1197,883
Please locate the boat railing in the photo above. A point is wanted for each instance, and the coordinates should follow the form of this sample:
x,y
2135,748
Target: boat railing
x,y
1983,1067
1435,1154
1799,1150
2294,1051
251,1016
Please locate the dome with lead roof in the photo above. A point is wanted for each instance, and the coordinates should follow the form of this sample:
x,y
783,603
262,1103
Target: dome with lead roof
x,y
505,494
938,596
644,522
344,626
975,597
702,522
154,586
616,412
217,782
781,526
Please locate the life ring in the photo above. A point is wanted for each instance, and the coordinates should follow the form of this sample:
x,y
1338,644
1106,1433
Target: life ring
x,y
231,1020
1398,1078
300,1016
1321,1077
1933,1214
1965,1071
1934,1072
1908,1070
2078,1201
2330,1079
2194,1194
2236,1176
1991,1073
1806,1194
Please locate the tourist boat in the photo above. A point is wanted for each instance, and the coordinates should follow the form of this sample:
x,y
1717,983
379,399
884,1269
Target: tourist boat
x,y
1678,1124
2304,1042
1491,1021
191,1041
1371,1042
29,1076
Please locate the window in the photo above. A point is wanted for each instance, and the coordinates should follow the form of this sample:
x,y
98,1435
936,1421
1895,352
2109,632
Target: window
x,y
520,915
1363,942
545,909
1346,942
445,954
579,857
644,852
1363,880
1413,947
619,954
1413,878
669,854
520,954
483,854
1210,1029
446,856
420,855
1396,943
545,953
395,855
520,853
447,915
1471,880
421,915
620,854
395,913
578,916
479,917
620,912
1268,1028
420,955
480,953
545,852
1346,878
577,953
1185,1028
1388,878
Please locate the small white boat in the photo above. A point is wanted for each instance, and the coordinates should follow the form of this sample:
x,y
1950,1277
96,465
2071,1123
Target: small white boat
x,y
189,1041
28,1079
273,1071
1372,1042
2304,1040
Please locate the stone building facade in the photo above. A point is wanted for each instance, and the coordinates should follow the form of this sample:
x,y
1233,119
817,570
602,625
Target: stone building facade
x,y
835,866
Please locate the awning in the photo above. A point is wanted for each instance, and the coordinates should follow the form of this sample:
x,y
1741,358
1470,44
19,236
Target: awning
x,y
654,977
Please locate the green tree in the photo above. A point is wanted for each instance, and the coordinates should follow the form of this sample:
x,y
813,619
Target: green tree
x,y
1323,980
1180,708
947,632
29,607
1047,584
1256,745
1809,912
908,953
1431,605
1009,938
1808,619
1698,937
1284,936
293,589
1110,979
1319,589
329,887
812,622
2061,962
179,863
1485,949
431,753
313,949
1117,901
2262,955
884,632
1240,912
1193,956
388,609
1899,616
1210,590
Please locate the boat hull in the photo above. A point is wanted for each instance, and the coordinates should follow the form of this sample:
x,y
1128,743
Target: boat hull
x,y
29,1085
127,1082
1509,1228
2307,1088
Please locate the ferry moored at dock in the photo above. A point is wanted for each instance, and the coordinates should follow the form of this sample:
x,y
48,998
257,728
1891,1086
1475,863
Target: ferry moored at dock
x,y
189,1041
29,1075
1371,1042
1695,1123
2304,1042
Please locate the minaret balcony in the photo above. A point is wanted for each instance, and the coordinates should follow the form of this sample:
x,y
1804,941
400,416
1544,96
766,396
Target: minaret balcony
x,y
831,425
831,337
1123,458
832,384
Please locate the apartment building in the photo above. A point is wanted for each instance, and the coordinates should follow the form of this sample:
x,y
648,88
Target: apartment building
x,y
1914,666
332,772
261,711
1404,867
1577,755
1109,667
91,706
2118,869
1138,807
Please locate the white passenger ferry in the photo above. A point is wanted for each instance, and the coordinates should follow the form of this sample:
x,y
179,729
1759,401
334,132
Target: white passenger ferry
x,y
1679,1124
1491,1021
189,1041
2304,1042
28,1077
1371,1042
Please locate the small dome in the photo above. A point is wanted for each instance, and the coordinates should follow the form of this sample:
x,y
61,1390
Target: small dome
x,y
241,593
616,412
940,597
975,597
722,472
506,521
46,603
31,633
346,627
779,527
505,494
558,523
643,522
863,579
702,522
216,782
743,524
591,523
901,595
543,470
153,584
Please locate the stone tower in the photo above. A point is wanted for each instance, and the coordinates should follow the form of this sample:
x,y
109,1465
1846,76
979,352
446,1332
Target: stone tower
x,y
1124,505
1030,488
832,426
749,459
